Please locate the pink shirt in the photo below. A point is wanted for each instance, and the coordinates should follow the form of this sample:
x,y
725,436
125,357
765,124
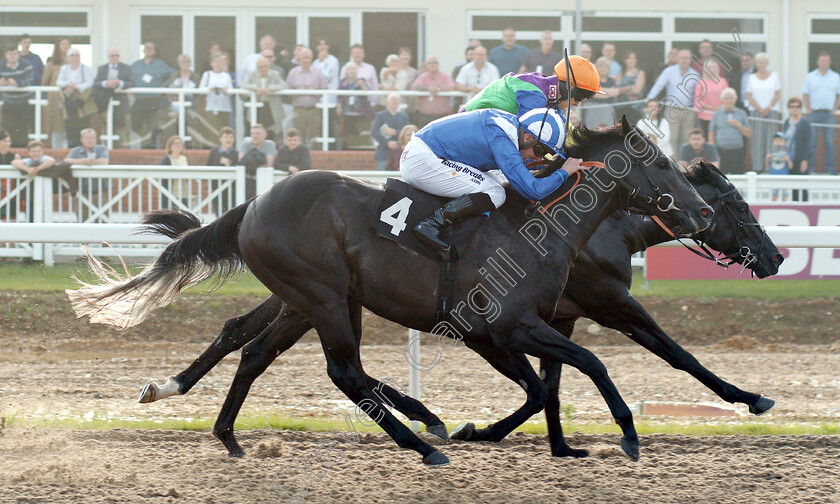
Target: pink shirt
x,y
711,101
299,78
434,105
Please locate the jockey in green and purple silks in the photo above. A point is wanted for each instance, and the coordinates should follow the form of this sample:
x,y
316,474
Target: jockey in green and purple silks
x,y
521,93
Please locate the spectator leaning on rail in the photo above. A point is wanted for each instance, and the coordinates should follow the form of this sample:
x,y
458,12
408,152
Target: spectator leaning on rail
x,y
76,82
797,132
727,130
631,82
543,59
292,156
452,157
508,57
678,82
18,114
354,111
110,77
89,153
764,91
697,147
434,81
147,108
30,57
39,164
307,115
254,152
385,128
267,43
476,75
821,94
265,81
366,71
518,94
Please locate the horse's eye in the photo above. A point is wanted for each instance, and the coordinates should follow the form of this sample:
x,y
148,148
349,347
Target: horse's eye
x,y
742,210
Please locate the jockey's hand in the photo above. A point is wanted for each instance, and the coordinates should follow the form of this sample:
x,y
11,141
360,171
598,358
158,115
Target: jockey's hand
x,y
573,164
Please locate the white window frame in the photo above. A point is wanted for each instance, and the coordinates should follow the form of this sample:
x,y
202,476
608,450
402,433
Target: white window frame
x,y
65,31
820,38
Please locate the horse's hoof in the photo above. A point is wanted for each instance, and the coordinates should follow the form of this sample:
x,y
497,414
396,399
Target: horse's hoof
x,y
630,448
229,440
762,406
570,452
436,459
149,393
463,432
439,431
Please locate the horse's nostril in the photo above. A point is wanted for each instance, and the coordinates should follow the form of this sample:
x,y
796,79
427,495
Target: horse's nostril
x,y
778,259
706,212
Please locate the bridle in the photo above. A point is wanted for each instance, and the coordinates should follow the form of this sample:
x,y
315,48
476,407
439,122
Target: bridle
x,y
744,255
664,202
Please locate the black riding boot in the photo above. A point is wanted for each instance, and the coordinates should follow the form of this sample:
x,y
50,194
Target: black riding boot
x,y
429,231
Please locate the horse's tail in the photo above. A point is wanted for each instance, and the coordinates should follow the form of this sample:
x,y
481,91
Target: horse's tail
x,y
196,255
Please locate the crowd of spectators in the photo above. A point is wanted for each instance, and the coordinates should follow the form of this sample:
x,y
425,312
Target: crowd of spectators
x,y
736,107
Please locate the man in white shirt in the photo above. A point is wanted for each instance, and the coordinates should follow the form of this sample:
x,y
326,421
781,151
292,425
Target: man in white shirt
x,y
476,75
678,81
250,63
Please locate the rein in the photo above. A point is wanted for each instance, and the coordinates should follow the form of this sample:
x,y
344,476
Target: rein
x,y
744,252
588,164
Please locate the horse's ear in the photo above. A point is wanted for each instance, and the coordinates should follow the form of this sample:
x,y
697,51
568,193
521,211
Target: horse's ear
x,y
625,126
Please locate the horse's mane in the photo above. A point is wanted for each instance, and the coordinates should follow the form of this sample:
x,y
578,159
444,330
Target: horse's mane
x,y
581,137
700,171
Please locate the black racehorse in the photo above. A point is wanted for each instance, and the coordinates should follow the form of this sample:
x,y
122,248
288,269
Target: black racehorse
x,y
310,240
598,288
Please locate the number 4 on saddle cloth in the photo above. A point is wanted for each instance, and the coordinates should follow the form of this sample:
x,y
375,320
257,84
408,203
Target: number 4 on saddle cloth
x,y
403,207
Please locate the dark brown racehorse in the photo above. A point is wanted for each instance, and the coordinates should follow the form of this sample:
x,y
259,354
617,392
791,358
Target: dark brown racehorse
x,y
309,239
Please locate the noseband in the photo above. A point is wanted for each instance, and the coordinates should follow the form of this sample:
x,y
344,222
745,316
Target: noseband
x,y
744,255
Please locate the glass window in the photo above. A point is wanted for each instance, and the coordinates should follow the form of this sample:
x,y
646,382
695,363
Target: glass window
x,y
210,29
523,23
337,32
42,19
815,48
385,32
826,26
622,24
166,33
650,55
718,25
283,29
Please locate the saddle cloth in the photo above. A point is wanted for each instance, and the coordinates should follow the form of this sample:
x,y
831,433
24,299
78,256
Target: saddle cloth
x,y
403,207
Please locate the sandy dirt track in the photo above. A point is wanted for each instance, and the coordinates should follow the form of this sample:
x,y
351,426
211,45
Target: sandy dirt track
x,y
170,467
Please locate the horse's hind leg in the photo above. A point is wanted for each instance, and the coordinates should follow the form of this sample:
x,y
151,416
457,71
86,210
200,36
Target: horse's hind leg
x,y
235,333
345,370
408,406
278,337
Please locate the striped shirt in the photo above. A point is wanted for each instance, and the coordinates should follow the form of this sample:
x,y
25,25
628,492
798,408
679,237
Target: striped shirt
x,y
22,74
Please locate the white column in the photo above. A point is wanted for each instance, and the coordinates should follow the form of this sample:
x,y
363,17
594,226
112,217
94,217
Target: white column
x,y
414,371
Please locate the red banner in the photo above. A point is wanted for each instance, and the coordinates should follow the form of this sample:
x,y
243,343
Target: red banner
x,y
800,263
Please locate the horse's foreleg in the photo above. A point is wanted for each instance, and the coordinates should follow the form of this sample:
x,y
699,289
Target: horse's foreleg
x,y
235,333
517,368
534,337
632,319
550,373
275,339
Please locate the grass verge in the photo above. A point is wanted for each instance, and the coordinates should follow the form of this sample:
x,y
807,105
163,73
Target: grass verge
x,y
37,277
751,428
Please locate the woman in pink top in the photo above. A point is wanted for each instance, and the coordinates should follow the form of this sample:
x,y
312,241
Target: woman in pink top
x,y
710,101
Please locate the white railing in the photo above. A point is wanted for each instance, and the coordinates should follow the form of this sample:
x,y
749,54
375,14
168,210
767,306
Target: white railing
x,y
113,194
183,100
118,194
